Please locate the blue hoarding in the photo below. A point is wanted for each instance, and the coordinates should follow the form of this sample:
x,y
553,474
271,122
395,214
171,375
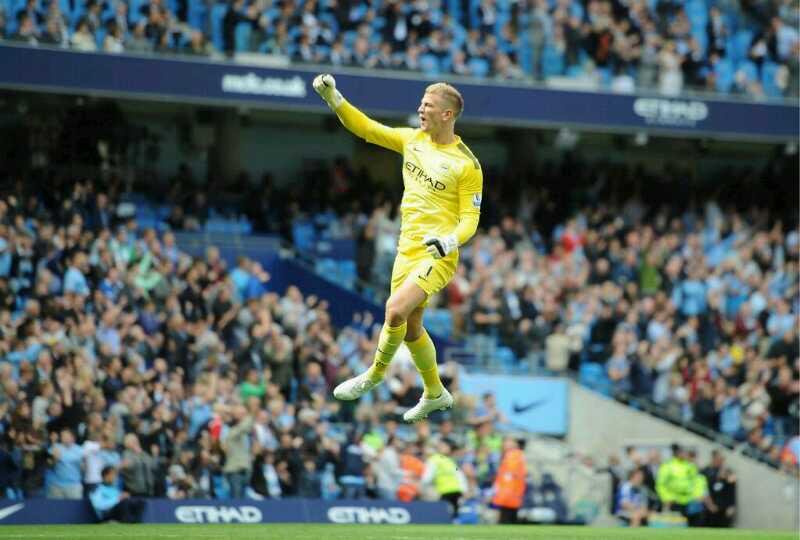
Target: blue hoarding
x,y
225,82
49,511
534,404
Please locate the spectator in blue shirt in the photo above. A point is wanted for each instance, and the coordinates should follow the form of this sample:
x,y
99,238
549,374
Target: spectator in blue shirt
x,y
74,279
631,500
689,296
240,276
65,477
730,411
110,503
782,320
619,368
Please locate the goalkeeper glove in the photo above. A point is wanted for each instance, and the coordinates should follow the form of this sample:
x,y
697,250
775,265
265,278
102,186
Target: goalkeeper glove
x,y
441,246
325,85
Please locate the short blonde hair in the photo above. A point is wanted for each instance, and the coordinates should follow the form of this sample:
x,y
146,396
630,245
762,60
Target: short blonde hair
x,y
448,92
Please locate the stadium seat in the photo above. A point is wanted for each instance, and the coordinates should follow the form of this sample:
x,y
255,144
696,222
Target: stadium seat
x,y
326,268
429,64
505,359
303,235
724,72
242,36
478,67
217,14
440,322
197,15
552,62
739,45
346,274
134,13
697,13
749,69
768,72
594,376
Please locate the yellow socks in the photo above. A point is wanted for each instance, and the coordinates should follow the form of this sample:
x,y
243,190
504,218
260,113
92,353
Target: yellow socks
x,y
424,355
389,341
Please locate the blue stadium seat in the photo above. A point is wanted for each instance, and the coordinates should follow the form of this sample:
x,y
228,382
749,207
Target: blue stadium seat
x,y
454,9
217,14
506,359
749,69
593,375
100,36
724,73
346,274
242,36
739,45
701,37
330,20
697,12
768,72
575,71
446,64
197,14
326,268
429,64
303,235
349,39
439,322
133,10
605,76
478,67
552,62
378,23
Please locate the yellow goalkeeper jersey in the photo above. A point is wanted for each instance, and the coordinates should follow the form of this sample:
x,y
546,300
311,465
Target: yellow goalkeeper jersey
x,y
443,184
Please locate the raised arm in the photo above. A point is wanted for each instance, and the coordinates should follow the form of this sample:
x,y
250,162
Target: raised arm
x,y
356,121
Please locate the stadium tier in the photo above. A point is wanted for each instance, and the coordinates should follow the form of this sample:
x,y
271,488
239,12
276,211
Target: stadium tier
x,y
454,268
726,47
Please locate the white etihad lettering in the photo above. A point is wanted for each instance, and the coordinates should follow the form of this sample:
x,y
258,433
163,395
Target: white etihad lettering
x,y
361,514
218,514
670,111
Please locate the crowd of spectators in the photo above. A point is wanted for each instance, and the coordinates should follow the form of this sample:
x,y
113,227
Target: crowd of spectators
x,y
647,486
688,307
730,47
697,313
131,369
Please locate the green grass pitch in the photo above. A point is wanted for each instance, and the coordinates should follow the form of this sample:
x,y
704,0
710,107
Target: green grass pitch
x,y
371,532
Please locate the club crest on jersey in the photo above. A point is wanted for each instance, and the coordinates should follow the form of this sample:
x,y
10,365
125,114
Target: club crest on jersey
x,y
476,200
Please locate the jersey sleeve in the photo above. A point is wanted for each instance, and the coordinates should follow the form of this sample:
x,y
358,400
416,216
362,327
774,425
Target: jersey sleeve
x,y
372,131
470,194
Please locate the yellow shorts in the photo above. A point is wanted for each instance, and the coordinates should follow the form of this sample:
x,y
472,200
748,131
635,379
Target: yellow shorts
x,y
432,275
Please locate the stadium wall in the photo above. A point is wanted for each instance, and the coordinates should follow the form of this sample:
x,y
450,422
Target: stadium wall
x,y
224,83
53,512
600,427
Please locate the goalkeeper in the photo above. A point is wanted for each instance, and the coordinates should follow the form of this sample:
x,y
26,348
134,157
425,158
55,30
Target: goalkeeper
x,y
439,212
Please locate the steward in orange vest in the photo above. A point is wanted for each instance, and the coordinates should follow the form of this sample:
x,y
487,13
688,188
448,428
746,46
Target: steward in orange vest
x,y
509,484
412,468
